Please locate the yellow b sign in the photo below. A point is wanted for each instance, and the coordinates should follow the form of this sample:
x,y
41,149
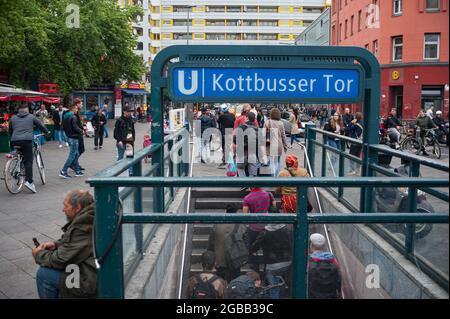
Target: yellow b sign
x,y
395,75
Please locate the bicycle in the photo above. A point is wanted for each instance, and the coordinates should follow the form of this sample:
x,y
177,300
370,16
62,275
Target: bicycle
x,y
14,172
414,144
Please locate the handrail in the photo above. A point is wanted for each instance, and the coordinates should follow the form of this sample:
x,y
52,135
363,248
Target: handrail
x,y
325,218
268,182
124,164
341,137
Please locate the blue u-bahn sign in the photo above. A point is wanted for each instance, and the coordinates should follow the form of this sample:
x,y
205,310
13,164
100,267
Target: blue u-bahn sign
x,y
237,84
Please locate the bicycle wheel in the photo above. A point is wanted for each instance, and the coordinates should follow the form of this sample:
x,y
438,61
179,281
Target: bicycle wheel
x,y
40,166
411,145
437,150
14,174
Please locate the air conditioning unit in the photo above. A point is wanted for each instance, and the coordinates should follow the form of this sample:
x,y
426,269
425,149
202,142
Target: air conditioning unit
x,y
245,8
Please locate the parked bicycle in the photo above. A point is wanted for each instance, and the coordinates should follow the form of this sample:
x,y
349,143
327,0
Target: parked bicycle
x,y
14,172
414,144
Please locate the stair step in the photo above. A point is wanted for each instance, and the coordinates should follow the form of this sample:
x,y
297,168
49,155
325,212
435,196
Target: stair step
x,y
200,242
217,203
203,229
198,269
220,203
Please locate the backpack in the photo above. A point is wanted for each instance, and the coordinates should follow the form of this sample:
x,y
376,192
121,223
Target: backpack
x,y
204,289
323,279
243,287
236,252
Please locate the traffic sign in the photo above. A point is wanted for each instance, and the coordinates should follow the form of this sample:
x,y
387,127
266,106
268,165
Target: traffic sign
x,y
232,84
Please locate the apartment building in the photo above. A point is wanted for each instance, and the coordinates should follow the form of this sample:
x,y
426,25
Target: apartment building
x,y
411,41
229,22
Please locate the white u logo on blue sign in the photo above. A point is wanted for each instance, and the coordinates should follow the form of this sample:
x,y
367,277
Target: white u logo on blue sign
x,y
194,83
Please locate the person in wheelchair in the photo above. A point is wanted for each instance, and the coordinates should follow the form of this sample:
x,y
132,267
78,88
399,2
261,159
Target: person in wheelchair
x,y
21,132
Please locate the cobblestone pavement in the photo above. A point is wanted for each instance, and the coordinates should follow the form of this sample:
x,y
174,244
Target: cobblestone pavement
x,y
40,215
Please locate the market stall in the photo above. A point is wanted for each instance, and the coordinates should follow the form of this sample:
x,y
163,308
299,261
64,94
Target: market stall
x,y
9,96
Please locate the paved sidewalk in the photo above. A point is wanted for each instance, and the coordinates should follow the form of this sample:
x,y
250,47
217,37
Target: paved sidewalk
x,y
40,215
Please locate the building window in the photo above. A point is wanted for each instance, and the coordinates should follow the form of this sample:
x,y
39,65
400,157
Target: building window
x,y
139,46
233,9
375,48
367,47
431,50
346,28
352,23
340,32
360,22
432,5
398,7
397,49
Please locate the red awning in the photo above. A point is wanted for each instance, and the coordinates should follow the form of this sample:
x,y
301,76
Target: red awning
x,y
22,98
51,99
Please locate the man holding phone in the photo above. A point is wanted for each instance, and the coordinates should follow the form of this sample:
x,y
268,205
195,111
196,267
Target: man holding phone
x,y
73,249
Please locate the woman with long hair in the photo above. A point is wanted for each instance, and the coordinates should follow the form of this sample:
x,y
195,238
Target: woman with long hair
x,y
275,140
335,125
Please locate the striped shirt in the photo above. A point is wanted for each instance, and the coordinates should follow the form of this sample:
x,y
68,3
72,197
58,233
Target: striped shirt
x,y
258,201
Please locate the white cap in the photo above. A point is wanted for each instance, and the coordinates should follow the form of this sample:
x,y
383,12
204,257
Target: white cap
x,y
317,240
439,112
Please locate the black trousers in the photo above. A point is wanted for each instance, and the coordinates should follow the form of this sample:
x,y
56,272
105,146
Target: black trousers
x,y
99,136
27,152
81,145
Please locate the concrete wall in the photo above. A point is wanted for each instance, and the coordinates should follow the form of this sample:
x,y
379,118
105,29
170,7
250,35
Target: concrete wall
x,y
157,275
358,246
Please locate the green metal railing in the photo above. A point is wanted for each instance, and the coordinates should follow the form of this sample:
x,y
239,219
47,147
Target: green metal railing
x,y
173,144
110,275
367,193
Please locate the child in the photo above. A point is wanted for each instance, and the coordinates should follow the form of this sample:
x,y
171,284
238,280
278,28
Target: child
x,y
147,142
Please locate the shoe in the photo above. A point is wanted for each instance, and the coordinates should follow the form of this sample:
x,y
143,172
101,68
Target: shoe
x,y
352,173
203,162
67,144
245,189
60,146
30,186
64,175
100,147
425,154
222,166
96,148
79,174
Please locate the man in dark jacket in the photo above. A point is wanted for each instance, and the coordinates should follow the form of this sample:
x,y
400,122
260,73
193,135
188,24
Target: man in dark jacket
x,y
392,125
98,122
424,123
57,116
73,132
79,103
21,132
67,265
226,123
206,122
276,243
124,132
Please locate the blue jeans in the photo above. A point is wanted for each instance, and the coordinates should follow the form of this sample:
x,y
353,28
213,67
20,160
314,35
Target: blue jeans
x,y
121,154
295,137
120,151
74,154
47,281
272,279
275,165
60,136
333,156
106,132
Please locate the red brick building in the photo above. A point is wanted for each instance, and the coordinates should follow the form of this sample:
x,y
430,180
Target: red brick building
x,y
410,39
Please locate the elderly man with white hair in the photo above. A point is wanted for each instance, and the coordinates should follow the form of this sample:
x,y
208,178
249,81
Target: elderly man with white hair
x,y
324,279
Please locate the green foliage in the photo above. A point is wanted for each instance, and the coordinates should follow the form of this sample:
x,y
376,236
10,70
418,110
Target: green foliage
x,y
37,44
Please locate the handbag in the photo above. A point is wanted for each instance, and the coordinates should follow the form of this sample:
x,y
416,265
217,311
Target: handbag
x,y
231,166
